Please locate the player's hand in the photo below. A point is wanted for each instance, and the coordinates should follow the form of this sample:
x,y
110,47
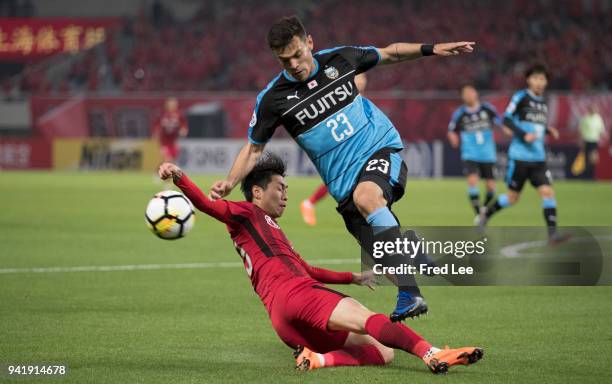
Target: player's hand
x,y
553,132
507,131
365,279
453,139
169,170
530,137
453,49
220,189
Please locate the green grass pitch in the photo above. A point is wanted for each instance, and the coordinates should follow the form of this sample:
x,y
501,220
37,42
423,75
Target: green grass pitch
x,y
207,325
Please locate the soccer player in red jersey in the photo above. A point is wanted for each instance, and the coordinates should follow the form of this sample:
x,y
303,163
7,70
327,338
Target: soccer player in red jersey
x,y
325,327
168,128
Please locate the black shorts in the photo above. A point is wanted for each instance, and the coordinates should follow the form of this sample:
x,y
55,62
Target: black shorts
x,y
485,170
590,147
519,171
385,168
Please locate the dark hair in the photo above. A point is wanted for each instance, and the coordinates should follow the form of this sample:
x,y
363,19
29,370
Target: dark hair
x,y
536,68
281,33
267,166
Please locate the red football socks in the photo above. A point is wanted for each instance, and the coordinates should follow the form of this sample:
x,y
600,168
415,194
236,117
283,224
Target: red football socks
x,y
366,354
318,194
396,335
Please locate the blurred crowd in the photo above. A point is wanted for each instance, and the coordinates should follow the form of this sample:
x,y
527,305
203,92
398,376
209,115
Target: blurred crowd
x,y
222,47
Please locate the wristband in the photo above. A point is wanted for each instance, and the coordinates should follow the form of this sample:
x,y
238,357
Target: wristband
x,y
427,49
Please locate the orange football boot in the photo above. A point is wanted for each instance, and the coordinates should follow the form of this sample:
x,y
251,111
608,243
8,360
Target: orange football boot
x,y
305,359
308,213
440,362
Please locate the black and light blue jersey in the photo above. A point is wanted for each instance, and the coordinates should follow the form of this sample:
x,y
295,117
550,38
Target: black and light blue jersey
x,y
337,127
476,130
529,113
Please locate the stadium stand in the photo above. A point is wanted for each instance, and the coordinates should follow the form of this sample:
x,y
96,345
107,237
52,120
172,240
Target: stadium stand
x,y
223,47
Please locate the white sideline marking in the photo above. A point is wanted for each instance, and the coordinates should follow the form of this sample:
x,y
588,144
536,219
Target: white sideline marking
x,y
516,250
152,267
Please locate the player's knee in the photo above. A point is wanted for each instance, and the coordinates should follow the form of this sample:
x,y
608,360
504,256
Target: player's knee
x,y
387,354
349,315
547,192
513,198
368,197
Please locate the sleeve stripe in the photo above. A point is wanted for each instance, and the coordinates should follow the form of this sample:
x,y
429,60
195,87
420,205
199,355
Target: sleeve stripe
x,y
455,119
377,52
266,89
261,243
324,51
257,103
253,140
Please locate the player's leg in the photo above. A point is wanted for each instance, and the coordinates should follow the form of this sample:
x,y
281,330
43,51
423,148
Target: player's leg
x,y
350,315
357,350
307,207
382,182
470,169
169,152
516,176
173,152
304,321
487,173
541,179
474,192
592,158
165,152
549,206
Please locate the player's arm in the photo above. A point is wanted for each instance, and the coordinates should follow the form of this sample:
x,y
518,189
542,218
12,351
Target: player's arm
x,y
399,52
327,276
518,131
510,123
453,137
218,209
495,118
550,130
243,164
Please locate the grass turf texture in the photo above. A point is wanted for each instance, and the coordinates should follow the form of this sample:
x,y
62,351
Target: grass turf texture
x,y
207,325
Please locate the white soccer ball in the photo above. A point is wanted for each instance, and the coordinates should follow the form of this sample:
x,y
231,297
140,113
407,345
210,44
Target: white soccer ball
x,y
170,215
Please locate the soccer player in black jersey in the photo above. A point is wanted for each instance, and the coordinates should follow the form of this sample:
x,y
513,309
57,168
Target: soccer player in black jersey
x,y
351,142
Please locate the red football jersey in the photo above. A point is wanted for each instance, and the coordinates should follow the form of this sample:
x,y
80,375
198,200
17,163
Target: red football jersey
x,y
169,126
268,256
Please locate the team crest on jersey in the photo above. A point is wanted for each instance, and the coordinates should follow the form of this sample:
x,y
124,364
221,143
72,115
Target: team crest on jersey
x,y
483,115
271,222
253,120
331,73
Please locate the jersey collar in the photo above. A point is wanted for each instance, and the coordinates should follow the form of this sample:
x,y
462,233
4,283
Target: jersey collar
x,y
291,78
534,96
472,110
